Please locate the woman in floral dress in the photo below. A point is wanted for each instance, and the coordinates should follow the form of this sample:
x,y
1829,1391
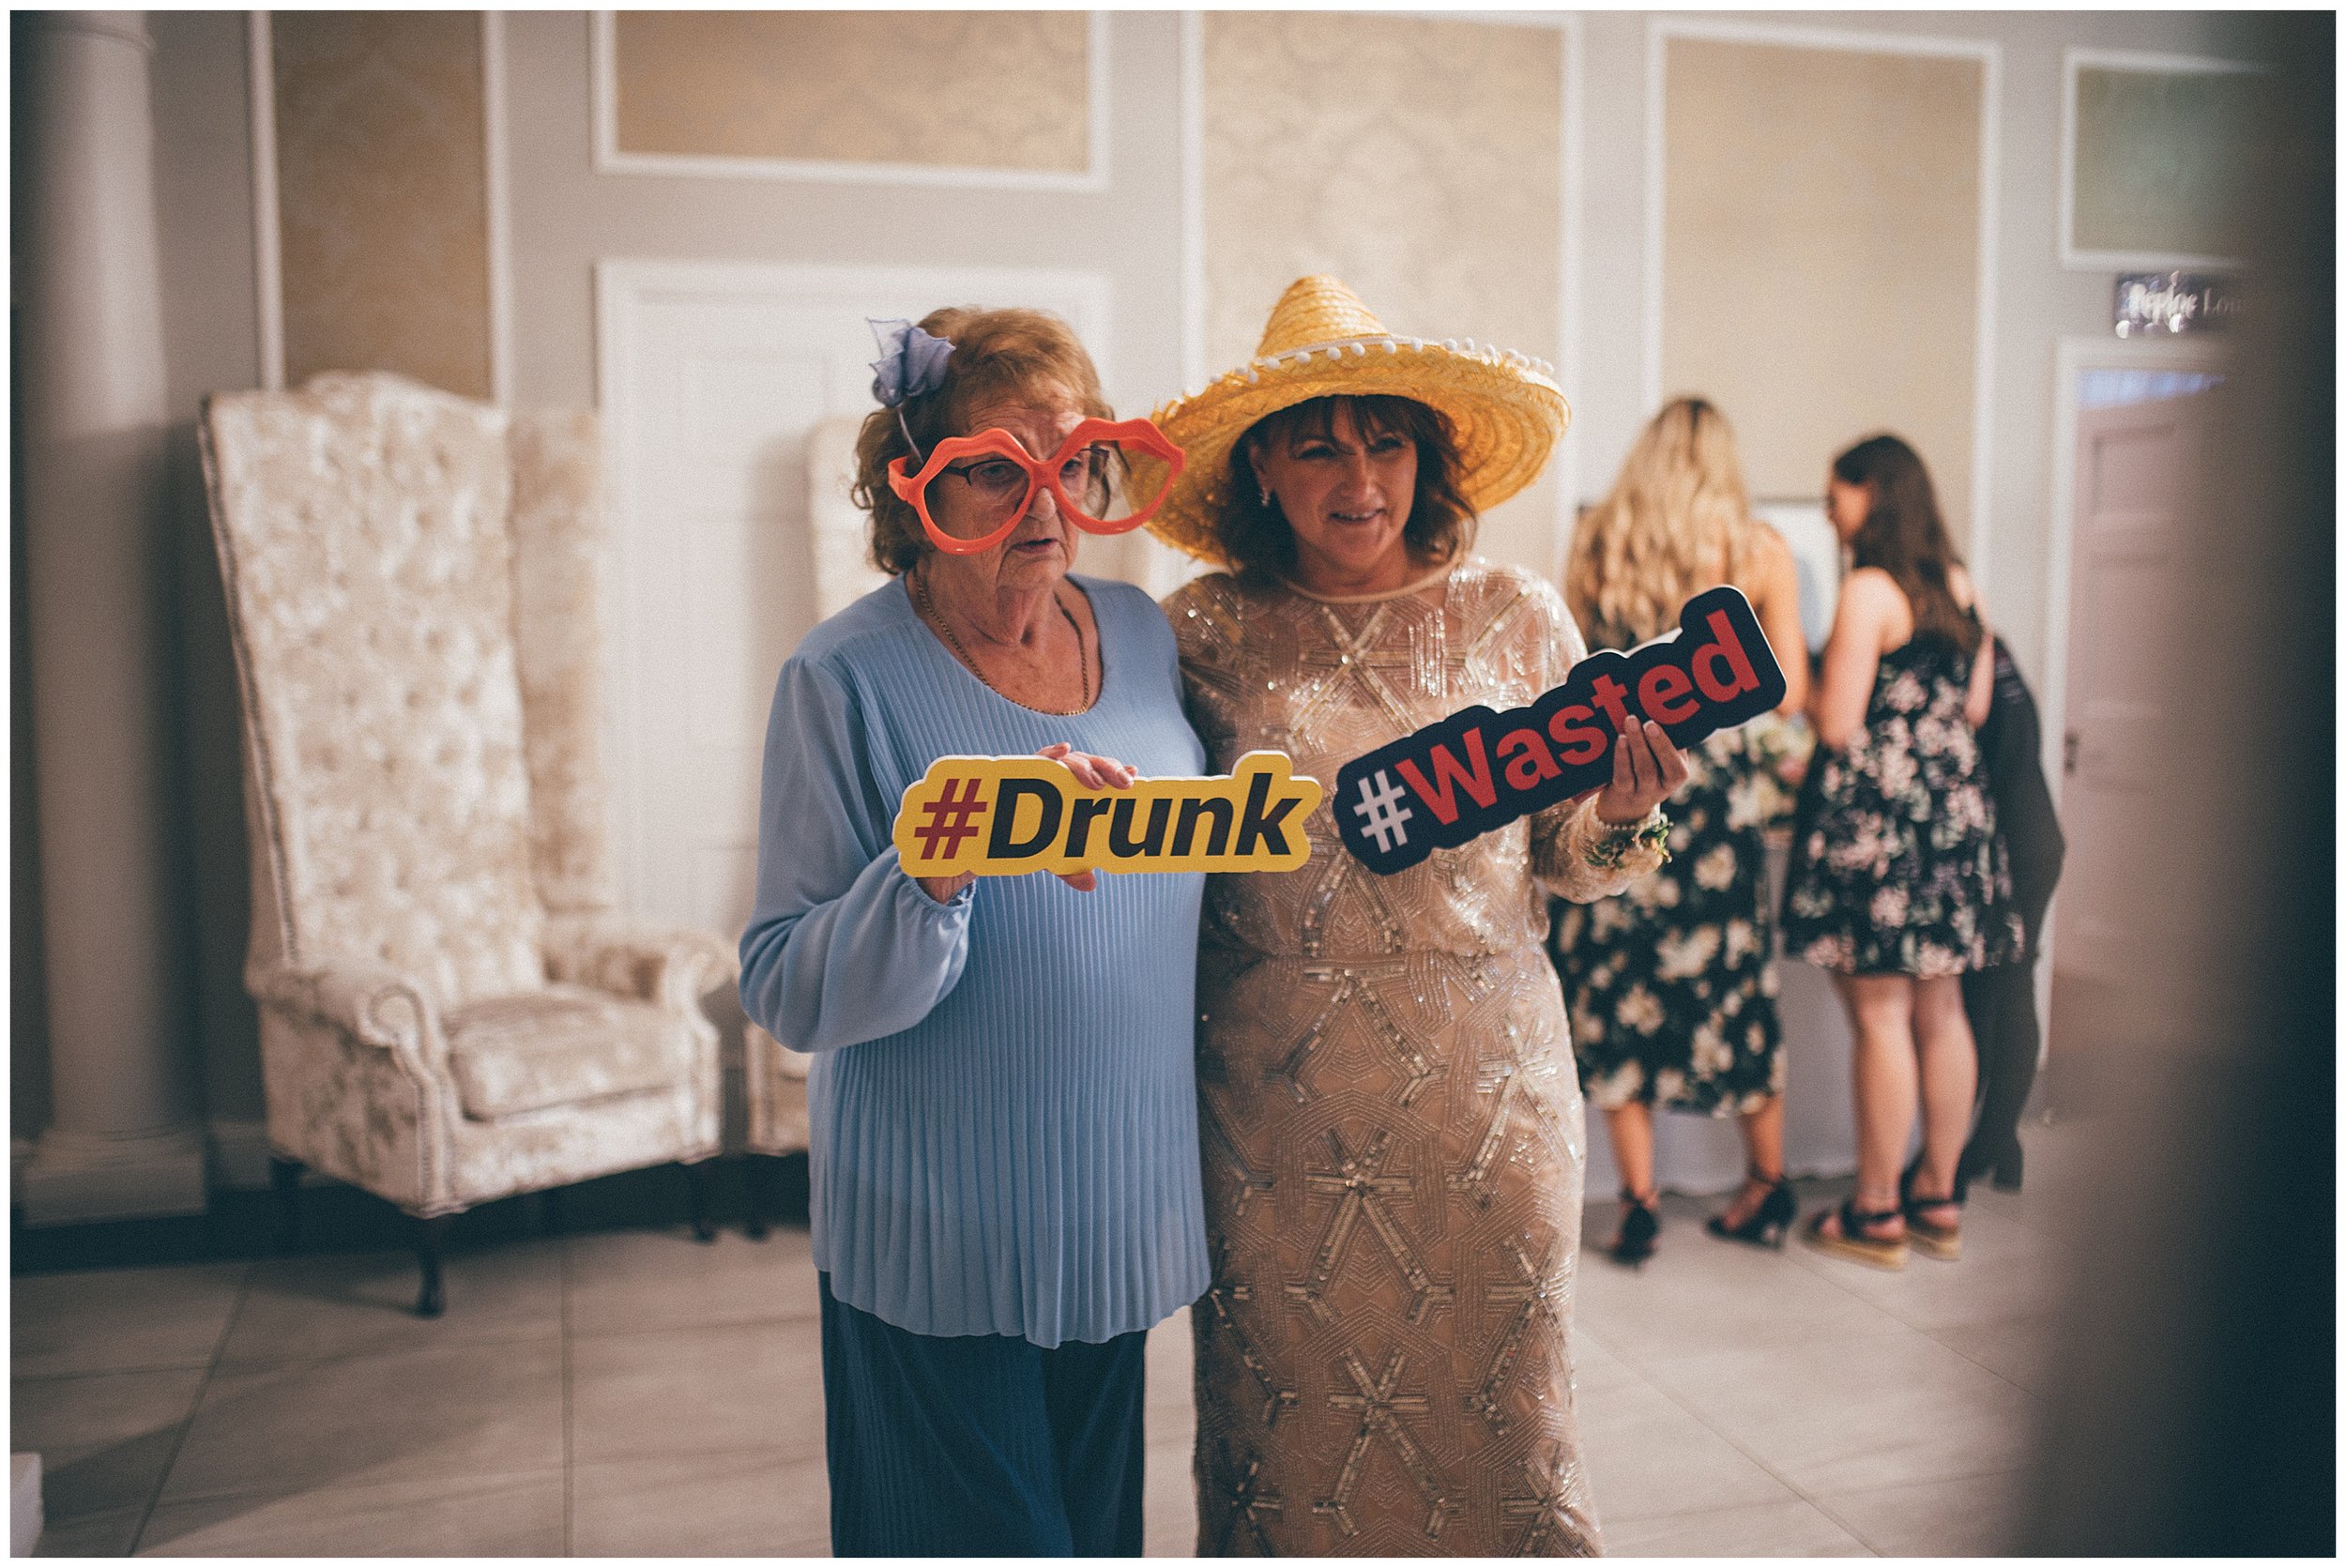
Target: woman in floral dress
x,y
1900,882
1391,1133
1671,985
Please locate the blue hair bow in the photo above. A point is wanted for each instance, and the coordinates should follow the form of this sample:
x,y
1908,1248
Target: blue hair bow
x,y
911,362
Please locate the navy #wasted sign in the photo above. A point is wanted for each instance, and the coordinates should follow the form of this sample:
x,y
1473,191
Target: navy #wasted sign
x,y
1477,770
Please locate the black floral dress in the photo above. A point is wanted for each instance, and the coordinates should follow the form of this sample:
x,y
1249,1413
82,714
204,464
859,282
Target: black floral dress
x,y
1669,985
1897,864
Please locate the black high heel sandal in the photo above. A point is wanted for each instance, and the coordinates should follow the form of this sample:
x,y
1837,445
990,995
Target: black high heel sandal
x,y
1766,1225
1929,1237
1641,1222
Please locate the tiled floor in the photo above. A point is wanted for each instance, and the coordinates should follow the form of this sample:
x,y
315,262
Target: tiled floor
x,y
634,1392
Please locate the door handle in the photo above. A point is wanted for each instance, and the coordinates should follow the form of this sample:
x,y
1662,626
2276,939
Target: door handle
x,y
2069,752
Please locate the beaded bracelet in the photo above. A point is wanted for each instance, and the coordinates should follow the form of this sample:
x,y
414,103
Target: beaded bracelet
x,y
1650,832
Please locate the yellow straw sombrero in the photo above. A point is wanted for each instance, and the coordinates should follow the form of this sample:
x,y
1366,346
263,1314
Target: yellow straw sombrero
x,y
1320,342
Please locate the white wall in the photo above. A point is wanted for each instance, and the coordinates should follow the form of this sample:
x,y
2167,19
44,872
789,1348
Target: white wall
x,y
563,218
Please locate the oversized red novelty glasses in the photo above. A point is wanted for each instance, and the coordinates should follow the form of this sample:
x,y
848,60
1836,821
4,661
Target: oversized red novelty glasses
x,y
980,485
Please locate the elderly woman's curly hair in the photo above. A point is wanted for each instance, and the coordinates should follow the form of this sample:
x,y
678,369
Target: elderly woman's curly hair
x,y
1252,532
1016,352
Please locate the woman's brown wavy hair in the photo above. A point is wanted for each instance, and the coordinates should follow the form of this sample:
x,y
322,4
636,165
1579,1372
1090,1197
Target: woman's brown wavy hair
x,y
1905,537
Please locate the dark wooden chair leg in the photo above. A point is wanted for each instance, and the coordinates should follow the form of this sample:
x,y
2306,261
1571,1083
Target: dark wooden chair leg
x,y
756,1172
428,1234
696,1187
285,1175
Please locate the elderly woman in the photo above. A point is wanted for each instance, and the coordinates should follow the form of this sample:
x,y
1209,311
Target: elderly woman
x,y
1393,1126
1002,1102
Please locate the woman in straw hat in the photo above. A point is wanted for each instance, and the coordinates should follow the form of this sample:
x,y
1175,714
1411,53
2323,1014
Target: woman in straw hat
x,y
1391,1122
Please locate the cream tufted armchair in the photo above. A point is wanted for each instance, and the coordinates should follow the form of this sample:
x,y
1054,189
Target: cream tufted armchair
x,y
451,1009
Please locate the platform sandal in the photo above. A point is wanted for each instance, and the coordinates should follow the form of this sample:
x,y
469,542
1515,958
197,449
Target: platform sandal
x,y
1641,1222
1854,1243
1766,1225
1932,1239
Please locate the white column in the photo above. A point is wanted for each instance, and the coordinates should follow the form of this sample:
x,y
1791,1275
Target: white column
x,y
124,1138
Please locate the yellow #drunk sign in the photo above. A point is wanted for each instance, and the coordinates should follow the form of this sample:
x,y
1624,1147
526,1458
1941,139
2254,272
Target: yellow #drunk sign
x,y
1006,815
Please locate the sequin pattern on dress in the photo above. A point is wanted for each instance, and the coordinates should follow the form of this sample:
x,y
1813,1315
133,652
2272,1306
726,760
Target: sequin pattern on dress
x,y
1391,1124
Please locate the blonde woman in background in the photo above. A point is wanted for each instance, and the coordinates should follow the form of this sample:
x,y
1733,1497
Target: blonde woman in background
x,y
1669,985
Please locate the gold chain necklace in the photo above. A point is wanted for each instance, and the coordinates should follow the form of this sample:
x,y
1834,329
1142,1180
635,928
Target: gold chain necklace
x,y
928,611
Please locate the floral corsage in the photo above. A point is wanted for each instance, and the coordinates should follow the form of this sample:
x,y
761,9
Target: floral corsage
x,y
1614,844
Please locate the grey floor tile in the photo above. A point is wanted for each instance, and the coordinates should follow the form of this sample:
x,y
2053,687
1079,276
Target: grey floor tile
x,y
1698,1294
1647,1456
2006,1271
1975,1515
1594,1364
411,1416
120,1319
1873,1411
1172,1413
623,1282
104,1438
721,1389
2025,1350
756,1503
362,1303
475,1515
97,1536
2064,1180
1168,1506
1794,1529
1171,1359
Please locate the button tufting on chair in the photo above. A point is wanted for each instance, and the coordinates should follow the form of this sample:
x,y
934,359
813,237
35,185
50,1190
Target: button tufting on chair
x,y
452,1008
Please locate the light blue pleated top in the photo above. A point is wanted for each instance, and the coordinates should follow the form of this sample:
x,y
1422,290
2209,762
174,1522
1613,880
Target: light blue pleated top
x,y
1003,1100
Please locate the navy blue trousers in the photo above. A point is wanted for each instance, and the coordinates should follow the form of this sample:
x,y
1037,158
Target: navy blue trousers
x,y
979,1446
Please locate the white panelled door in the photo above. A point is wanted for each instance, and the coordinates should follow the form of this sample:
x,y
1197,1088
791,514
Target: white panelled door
x,y
2130,598
712,378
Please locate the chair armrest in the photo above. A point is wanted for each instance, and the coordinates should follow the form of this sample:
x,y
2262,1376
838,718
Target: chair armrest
x,y
671,966
372,1004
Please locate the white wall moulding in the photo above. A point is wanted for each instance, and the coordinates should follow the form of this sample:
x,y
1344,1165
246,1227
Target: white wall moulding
x,y
269,282
1789,235
2153,151
498,231
712,378
926,117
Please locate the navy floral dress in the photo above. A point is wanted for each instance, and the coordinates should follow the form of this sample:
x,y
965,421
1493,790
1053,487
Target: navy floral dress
x,y
1897,865
1669,985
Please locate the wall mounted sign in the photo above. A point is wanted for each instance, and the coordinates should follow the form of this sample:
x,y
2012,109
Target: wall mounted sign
x,y
1007,815
2151,303
1478,771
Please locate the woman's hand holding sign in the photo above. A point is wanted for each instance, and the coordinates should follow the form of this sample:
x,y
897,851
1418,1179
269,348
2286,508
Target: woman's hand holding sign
x,y
1646,770
1092,772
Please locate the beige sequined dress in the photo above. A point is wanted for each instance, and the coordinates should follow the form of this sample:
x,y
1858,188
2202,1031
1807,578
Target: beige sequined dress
x,y
1391,1121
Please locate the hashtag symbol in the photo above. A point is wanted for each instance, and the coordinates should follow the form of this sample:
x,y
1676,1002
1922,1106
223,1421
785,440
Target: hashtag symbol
x,y
1383,814
948,821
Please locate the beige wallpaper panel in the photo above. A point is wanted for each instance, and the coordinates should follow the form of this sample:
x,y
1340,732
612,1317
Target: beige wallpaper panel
x,y
982,89
1821,253
2162,157
383,195
1419,161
